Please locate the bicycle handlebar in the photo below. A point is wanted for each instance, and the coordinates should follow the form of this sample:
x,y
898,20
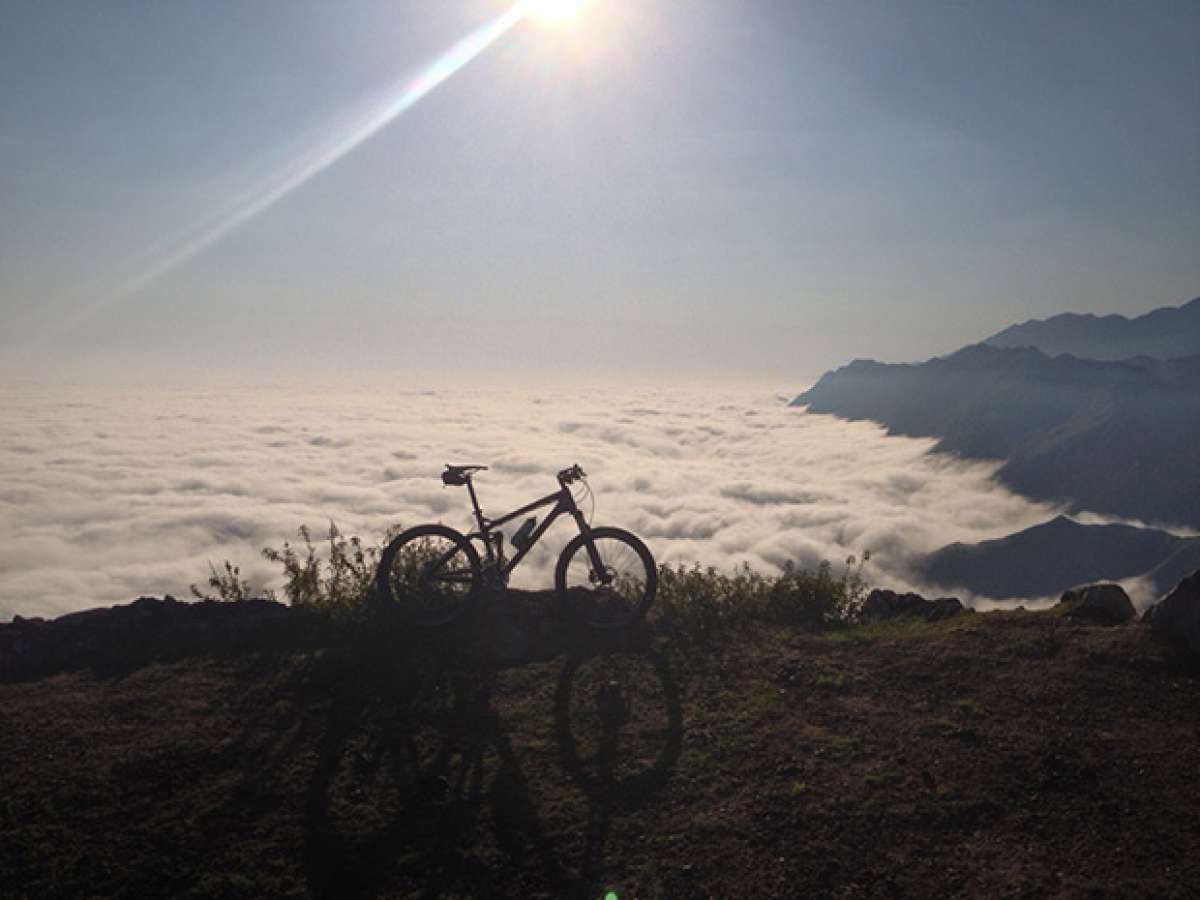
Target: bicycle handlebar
x,y
459,475
571,473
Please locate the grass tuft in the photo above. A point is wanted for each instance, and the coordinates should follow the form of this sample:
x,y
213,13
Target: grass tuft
x,y
702,605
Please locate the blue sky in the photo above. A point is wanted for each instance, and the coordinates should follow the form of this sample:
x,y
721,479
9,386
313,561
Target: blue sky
x,y
667,188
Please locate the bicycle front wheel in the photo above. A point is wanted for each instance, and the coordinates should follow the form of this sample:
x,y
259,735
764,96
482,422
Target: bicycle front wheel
x,y
618,590
430,573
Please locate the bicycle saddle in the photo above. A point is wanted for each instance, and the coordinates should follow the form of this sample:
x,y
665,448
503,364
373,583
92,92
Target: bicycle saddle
x,y
459,475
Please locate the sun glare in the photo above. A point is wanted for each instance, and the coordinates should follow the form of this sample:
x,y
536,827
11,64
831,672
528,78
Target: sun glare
x,y
556,12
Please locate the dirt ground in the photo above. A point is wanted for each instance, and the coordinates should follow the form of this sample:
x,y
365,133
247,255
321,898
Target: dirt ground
x,y
996,754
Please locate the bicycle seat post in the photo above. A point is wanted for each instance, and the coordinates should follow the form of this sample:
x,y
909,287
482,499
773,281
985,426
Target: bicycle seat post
x,y
475,504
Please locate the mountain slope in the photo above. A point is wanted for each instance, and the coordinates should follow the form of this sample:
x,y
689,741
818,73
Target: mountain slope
x,y
1049,558
1117,437
1176,567
1164,333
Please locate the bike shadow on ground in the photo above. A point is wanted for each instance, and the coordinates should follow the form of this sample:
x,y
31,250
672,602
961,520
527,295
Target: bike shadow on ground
x,y
419,786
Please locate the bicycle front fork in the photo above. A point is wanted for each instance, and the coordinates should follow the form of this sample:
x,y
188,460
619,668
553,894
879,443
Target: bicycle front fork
x,y
589,544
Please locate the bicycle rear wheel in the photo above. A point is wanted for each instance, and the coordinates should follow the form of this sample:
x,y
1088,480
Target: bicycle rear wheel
x,y
616,593
430,573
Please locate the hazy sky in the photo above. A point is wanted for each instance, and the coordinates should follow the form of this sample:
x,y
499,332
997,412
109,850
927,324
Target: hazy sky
x,y
726,187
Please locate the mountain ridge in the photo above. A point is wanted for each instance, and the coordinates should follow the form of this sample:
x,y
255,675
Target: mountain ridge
x,y
1061,553
1164,333
1111,436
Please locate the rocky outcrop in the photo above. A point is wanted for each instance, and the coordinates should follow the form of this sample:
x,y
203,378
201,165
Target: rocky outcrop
x,y
1100,604
148,629
518,627
885,604
1177,617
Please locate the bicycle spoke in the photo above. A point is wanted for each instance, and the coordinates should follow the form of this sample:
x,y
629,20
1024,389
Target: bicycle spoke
x,y
452,578
613,594
430,572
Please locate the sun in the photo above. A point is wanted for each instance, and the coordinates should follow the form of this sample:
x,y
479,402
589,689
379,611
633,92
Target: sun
x,y
556,12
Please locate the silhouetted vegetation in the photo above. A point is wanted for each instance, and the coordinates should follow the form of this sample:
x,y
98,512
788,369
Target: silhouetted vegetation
x,y
697,603
706,604
335,582
228,584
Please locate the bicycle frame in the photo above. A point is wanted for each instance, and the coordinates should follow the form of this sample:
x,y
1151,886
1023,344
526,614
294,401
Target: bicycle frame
x,y
564,505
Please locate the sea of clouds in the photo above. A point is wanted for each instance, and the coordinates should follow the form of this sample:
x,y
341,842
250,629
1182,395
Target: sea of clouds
x,y
109,493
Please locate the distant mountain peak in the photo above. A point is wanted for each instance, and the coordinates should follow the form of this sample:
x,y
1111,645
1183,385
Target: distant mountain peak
x,y
1164,333
1060,523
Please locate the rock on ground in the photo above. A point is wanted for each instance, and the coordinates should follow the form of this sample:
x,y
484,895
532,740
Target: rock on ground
x,y
1102,604
885,604
1178,615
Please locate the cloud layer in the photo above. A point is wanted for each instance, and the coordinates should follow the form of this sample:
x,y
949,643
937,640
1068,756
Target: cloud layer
x,y
106,494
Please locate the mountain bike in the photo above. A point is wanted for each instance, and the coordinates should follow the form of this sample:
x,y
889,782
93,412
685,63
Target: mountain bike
x,y
434,574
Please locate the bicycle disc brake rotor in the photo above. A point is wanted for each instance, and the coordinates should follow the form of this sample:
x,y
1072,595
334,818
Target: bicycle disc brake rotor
x,y
603,579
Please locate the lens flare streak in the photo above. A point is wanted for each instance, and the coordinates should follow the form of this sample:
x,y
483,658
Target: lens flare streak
x,y
309,165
